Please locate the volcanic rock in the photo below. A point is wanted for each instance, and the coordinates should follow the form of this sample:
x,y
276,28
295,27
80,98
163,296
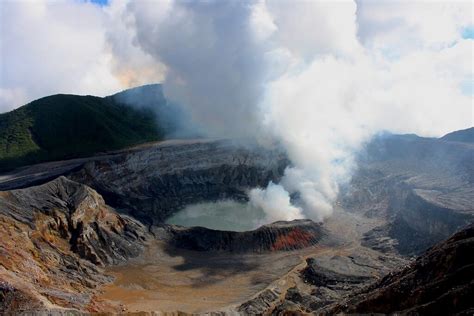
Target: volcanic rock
x,y
439,282
277,236
153,183
54,239
422,187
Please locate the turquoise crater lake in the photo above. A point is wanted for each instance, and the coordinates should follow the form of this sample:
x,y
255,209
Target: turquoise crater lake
x,y
221,215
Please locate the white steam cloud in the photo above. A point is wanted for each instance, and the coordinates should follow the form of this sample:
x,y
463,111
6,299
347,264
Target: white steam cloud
x,y
275,202
319,77
214,59
323,108
303,75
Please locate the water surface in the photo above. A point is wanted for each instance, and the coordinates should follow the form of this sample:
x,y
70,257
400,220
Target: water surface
x,y
221,215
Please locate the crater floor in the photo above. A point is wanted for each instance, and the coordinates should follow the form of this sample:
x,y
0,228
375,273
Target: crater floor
x,y
192,281
168,280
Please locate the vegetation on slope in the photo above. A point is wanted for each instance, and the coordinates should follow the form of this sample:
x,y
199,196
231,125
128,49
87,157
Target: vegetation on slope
x,y
68,126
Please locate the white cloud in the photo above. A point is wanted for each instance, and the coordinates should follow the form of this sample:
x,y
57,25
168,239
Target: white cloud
x,y
52,47
403,26
311,28
130,64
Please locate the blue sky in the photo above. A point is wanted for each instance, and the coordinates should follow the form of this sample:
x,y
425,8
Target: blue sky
x,y
468,32
100,2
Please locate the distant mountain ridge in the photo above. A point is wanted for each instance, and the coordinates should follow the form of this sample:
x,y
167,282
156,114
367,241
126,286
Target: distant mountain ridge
x,y
465,135
67,126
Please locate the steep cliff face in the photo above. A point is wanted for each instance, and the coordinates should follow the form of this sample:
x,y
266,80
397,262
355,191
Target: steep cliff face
x,y
153,183
440,282
422,222
277,236
422,187
54,240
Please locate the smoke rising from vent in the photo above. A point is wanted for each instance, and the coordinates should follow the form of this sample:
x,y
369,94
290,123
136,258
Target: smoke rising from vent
x,y
275,203
298,73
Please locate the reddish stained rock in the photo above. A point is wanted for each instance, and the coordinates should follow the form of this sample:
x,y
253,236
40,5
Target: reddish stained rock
x,y
278,236
296,238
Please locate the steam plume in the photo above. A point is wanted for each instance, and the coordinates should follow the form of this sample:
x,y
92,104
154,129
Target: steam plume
x,y
303,74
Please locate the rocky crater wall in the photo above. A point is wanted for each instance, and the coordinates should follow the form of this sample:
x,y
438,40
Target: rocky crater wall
x,y
278,236
422,187
54,240
154,183
420,223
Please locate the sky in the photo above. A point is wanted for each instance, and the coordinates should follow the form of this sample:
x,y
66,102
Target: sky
x,y
100,2
318,77
91,47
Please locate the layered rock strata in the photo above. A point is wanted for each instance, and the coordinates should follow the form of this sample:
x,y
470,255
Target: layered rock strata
x,y
54,240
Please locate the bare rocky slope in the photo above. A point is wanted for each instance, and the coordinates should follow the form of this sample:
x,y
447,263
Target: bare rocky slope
x,y
55,239
439,282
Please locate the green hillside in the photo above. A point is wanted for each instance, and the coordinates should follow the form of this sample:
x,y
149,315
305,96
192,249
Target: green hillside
x,y
67,126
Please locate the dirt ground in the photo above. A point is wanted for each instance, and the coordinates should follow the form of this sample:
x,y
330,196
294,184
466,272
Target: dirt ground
x,y
192,281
